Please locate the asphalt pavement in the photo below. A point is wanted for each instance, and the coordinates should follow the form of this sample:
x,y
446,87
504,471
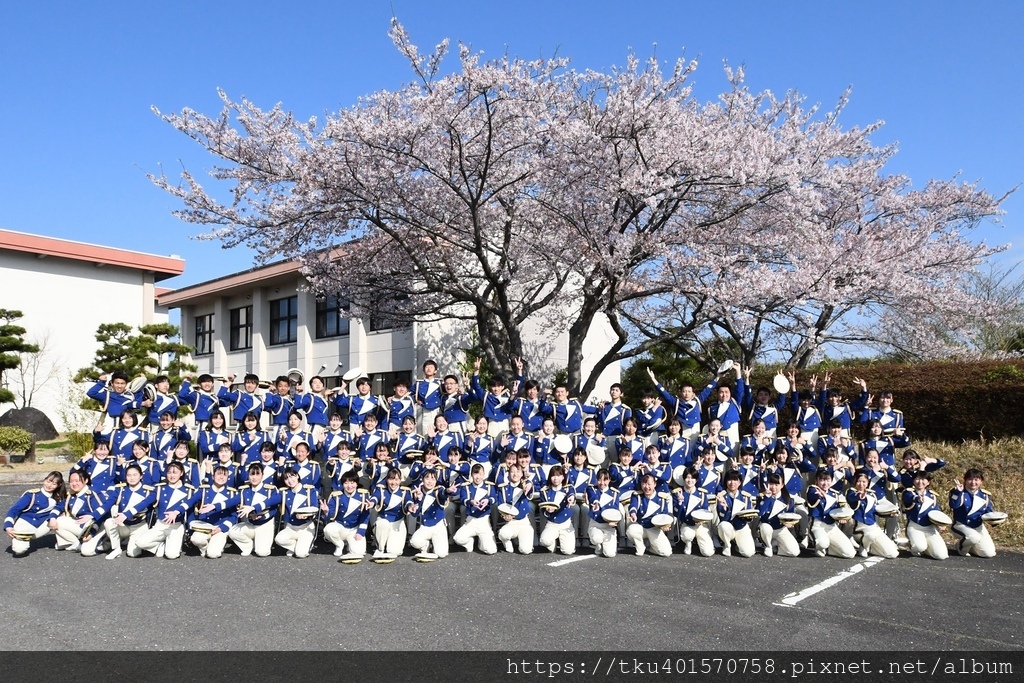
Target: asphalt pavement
x,y
59,600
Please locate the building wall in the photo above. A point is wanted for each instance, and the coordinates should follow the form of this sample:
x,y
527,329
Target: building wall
x,y
64,301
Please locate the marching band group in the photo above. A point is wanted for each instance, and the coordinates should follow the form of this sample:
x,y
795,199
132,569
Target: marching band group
x,y
535,469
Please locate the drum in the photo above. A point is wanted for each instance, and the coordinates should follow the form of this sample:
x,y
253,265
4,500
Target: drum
x,y
351,558
425,557
725,367
352,374
746,514
138,384
595,455
508,509
549,506
781,384
562,444
677,474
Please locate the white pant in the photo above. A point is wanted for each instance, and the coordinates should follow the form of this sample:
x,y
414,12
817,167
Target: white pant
x,y
171,535
427,536
604,537
390,536
653,537
250,538
703,535
496,428
831,539
296,539
68,532
744,539
562,533
21,527
210,545
119,532
926,540
425,420
341,536
520,531
788,547
477,528
977,542
874,540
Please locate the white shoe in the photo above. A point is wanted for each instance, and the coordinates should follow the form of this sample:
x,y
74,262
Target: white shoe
x,y
820,552
508,547
726,551
338,552
292,553
639,552
160,550
114,554
768,550
77,545
805,542
863,552
688,548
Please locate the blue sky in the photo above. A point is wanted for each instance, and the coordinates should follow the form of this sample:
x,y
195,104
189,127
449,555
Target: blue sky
x,y
77,81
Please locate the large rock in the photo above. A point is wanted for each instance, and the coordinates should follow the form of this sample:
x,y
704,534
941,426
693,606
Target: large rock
x,y
31,420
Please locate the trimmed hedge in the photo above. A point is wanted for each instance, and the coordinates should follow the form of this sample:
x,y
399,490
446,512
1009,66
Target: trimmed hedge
x,y
941,401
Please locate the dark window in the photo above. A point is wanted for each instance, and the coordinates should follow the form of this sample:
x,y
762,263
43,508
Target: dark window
x,y
284,320
330,320
241,328
204,334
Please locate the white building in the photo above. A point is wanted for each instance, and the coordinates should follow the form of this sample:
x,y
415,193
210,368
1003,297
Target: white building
x,y
66,289
264,321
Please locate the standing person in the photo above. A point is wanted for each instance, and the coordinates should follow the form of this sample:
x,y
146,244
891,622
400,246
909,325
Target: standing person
x,y
359,406
400,406
496,401
203,401
121,439
170,434
528,406
686,407
248,441
245,401
807,416
115,399
650,417
725,407
165,402
630,441
759,406
566,412
427,396
891,419
34,514
969,502
833,406
885,445
922,535
259,502
316,405
80,513
174,500
279,405
454,405
291,435
644,508
129,506
517,439
612,414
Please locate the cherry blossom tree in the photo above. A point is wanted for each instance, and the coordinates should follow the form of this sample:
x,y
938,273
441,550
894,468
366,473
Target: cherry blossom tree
x,y
516,191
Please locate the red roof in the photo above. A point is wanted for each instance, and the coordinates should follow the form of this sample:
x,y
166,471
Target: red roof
x,y
163,267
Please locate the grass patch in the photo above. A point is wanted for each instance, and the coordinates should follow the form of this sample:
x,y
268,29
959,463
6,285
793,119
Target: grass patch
x,y
51,445
1002,461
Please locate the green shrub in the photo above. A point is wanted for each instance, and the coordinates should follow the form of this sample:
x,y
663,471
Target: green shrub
x,y
15,440
79,443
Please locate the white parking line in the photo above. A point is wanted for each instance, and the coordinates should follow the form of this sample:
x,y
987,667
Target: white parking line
x,y
793,598
571,559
